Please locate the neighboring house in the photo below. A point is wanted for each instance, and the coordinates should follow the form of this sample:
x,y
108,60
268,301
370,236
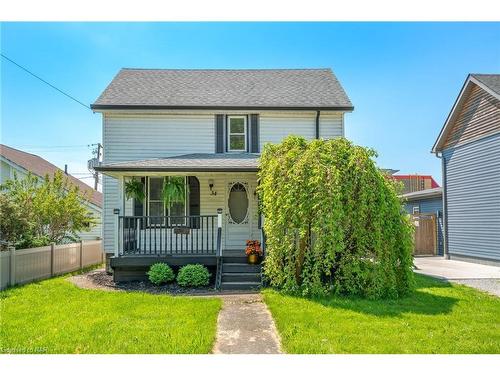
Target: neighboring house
x,y
208,127
469,145
17,162
428,202
415,182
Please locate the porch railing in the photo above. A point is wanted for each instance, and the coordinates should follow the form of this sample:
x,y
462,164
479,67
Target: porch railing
x,y
168,235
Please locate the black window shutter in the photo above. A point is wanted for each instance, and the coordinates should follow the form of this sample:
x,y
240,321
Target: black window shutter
x,y
138,205
254,133
194,200
219,133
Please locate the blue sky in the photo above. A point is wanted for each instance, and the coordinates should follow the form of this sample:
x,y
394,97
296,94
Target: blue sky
x,y
402,78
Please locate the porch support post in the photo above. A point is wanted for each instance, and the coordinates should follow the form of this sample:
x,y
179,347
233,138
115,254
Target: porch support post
x,y
119,210
116,211
219,218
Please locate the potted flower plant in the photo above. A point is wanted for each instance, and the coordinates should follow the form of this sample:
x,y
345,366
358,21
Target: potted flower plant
x,y
253,251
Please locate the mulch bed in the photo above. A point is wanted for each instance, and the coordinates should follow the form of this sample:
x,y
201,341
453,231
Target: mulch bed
x,y
99,279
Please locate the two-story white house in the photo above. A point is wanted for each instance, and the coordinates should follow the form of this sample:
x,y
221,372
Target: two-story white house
x,y
206,127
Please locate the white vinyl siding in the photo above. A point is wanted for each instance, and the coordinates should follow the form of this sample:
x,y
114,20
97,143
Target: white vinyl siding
x,y
331,125
147,136
136,137
275,127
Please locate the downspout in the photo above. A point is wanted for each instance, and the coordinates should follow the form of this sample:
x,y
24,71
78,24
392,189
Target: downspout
x,y
446,254
317,124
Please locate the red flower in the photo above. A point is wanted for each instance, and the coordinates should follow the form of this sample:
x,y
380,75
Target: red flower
x,y
253,247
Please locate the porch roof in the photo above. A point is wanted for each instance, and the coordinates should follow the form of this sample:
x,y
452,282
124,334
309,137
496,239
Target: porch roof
x,y
188,163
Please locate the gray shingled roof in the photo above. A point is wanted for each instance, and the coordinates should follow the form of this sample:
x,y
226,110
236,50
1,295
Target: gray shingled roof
x,y
189,163
490,80
41,167
268,88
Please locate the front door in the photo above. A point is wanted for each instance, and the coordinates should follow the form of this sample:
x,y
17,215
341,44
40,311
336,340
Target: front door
x,y
238,216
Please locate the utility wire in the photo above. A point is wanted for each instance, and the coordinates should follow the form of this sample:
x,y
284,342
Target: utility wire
x,y
44,81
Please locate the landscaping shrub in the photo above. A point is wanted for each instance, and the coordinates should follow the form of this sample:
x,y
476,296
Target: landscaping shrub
x,y
334,222
193,275
160,273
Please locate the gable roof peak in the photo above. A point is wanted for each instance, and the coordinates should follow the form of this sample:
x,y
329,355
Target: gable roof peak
x,y
287,89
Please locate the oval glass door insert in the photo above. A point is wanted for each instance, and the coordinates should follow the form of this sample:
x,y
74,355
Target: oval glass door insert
x,y
238,203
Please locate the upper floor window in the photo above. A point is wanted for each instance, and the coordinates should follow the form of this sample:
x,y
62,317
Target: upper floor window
x,y
237,133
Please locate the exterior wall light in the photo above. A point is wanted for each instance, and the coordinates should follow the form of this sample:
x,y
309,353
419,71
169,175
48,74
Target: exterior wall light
x,y
211,186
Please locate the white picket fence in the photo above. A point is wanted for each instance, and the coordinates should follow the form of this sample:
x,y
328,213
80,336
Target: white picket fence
x,y
25,265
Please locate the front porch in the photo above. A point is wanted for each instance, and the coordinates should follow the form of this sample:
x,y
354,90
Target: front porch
x,y
209,226
181,240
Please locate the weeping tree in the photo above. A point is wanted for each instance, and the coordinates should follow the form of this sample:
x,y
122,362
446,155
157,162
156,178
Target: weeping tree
x,y
334,223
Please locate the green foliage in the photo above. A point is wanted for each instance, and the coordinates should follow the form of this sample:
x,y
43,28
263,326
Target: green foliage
x,y
193,275
174,190
48,210
13,223
435,318
54,316
134,189
160,273
334,223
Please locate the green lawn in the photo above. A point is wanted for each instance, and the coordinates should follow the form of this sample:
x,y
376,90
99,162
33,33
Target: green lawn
x,y
54,316
437,318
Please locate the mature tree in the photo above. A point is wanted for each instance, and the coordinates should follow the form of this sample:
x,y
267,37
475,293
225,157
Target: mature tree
x,y
334,222
13,224
52,207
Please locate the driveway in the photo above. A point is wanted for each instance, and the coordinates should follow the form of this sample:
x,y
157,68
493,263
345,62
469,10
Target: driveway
x,y
479,276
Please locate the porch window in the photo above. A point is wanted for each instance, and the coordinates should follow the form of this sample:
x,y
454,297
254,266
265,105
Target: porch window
x,y
237,133
157,208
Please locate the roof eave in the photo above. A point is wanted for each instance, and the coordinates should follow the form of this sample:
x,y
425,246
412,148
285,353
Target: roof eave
x,y
103,107
437,147
444,129
176,169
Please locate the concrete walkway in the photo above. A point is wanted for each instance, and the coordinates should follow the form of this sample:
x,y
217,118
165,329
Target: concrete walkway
x,y
245,326
479,276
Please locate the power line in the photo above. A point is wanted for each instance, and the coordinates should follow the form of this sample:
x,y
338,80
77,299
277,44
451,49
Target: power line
x,y
44,81
49,147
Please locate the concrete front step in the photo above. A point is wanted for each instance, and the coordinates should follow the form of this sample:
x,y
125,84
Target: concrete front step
x,y
240,276
237,285
241,267
234,259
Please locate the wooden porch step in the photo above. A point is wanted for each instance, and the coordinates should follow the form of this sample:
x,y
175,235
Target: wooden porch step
x,y
241,268
234,259
234,253
240,277
238,285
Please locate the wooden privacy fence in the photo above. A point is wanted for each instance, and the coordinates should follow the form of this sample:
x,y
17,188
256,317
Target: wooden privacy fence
x,y
425,237
24,265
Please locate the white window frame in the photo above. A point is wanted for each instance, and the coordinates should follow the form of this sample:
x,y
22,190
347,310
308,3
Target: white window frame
x,y
416,210
229,133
